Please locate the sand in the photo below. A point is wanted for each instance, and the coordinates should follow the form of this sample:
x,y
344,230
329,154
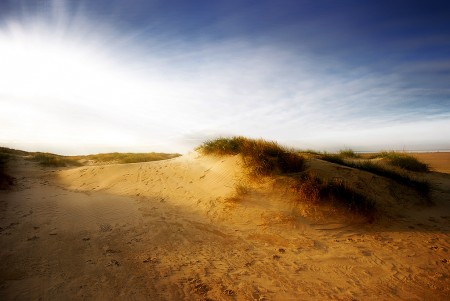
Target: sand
x,y
196,228
438,161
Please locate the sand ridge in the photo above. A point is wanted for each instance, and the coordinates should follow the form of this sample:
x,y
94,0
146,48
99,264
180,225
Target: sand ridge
x,y
174,230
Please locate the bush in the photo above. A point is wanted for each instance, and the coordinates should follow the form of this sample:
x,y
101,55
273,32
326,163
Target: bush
x,y
262,157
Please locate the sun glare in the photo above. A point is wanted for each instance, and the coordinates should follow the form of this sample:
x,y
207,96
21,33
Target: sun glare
x,y
63,91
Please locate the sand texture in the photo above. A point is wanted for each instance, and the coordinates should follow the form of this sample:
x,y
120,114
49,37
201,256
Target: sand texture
x,y
196,228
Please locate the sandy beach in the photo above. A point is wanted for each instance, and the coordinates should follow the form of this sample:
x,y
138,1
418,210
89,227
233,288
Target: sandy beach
x,y
196,228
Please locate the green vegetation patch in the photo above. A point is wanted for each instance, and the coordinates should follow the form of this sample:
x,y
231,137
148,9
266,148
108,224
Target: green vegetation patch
x,y
261,156
422,187
349,153
404,161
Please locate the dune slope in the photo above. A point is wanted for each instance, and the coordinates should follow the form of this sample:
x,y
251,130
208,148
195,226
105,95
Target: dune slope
x,y
195,228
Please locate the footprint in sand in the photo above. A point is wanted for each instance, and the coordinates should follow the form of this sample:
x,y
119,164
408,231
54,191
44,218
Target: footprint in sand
x,y
257,296
105,228
200,288
113,262
151,260
229,292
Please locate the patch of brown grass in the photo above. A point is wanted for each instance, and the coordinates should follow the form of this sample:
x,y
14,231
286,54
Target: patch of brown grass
x,y
315,191
260,156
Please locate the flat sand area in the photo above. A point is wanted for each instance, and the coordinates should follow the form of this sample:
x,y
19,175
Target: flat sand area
x,y
194,228
438,161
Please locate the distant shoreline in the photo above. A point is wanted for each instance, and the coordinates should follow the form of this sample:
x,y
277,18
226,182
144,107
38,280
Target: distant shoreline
x,y
407,151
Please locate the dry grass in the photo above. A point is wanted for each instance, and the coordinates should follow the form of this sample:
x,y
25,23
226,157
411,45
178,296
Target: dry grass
x,y
52,160
269,158
422,187
47,159
403,160
241,191
6,181
349,153
10,151
260,156
126,157
315,191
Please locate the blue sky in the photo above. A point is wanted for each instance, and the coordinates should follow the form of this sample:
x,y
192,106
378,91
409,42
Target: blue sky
x,y
97,76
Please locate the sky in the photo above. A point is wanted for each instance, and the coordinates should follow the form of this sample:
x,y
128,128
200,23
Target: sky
x,y
79,77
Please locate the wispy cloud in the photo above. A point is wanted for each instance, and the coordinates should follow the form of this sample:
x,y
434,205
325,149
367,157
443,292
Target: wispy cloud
x,y
79,91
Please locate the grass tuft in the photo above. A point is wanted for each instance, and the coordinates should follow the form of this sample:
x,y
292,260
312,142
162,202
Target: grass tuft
x,y
261,156
341,191
333,158
310,152
422,187
316,191
348,153
403,161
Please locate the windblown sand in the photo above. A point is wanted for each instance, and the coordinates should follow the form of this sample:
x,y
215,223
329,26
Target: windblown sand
x,y
195,228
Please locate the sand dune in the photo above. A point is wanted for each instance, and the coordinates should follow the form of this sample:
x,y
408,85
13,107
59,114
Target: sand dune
x,y
196,228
